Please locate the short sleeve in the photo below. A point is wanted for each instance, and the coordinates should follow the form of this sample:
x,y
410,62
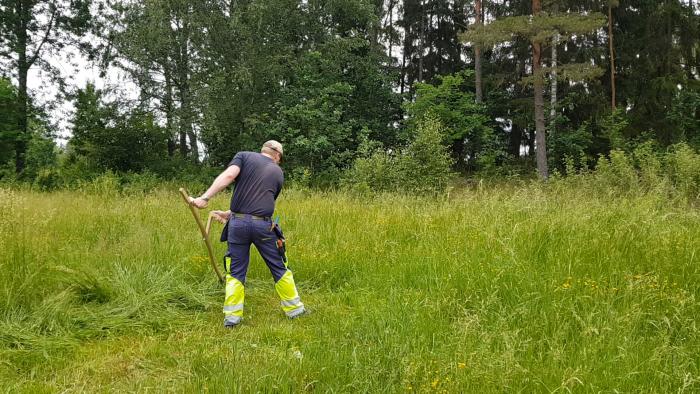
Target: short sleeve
x,y
280,183
237,160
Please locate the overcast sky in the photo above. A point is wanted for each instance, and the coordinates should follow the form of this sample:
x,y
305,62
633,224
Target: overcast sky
x,y
77,72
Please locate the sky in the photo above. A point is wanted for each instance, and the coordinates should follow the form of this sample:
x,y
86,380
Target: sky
x,y
77,72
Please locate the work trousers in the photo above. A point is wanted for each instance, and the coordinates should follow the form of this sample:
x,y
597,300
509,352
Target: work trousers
x,y
242,232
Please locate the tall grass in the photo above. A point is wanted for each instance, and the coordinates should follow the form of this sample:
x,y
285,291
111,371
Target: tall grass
x,y
530,288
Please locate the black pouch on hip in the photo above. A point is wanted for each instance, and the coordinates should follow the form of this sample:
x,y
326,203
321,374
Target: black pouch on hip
x,y
281,241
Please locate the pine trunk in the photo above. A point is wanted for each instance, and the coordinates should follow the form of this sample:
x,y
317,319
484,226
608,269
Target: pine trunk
x,y
477,57
186,117
22,10
169,114
553,102
540,138
553,99
422,42
391,38
403,71
613,94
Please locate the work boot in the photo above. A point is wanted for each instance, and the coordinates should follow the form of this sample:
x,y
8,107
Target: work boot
x,y
296,313
232,321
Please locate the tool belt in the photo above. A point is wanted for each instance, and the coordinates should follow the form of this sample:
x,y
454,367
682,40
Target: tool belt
x,y
244,215
236,215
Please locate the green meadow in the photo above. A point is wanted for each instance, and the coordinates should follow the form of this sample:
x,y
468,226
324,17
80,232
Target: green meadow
x,y
530,288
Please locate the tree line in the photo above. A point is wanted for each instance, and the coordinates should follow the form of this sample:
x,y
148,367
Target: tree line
x,y
514,84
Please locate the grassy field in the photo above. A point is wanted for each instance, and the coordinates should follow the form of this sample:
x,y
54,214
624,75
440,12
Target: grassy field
x,y
531,289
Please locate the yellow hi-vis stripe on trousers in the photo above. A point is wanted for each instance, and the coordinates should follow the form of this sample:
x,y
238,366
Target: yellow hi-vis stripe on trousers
x,y
235,293
287,290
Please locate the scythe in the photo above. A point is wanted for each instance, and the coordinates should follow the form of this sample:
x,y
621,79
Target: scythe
x,y
205,232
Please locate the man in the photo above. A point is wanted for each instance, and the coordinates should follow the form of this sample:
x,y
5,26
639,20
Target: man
x,y
259,180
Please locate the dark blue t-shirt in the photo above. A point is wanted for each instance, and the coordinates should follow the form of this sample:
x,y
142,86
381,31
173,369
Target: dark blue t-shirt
x,y
258,184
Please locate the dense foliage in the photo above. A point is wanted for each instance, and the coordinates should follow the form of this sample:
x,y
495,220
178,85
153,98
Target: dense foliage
x,y
330,79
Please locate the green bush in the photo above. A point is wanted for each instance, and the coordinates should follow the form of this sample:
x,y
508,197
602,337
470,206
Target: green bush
x,y
107,183
423,167
377,172
684,170
48,179
464,123
77,170
617,172
613,127
140,183
648,160
674,173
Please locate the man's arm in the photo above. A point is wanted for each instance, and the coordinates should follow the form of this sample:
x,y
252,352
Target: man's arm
x,y
221,216
220,183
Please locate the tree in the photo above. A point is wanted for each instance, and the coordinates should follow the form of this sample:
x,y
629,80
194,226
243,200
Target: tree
x,y
539,29
477,55
8,121
430,44
29,29
452,103
654,49
41,149
89,123
613,100
339,96
313,77
106,139
541,141
252,51
160,43
553,76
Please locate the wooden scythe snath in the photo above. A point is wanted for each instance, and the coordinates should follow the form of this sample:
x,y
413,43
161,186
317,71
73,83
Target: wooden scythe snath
x,y
205,232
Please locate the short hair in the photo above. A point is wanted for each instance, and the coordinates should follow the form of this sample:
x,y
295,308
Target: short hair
x,y
274,146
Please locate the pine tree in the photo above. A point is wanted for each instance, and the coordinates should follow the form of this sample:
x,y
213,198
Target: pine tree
x,y
430,45
540,29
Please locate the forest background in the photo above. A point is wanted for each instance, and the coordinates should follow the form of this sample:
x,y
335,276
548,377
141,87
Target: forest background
x,y
506,88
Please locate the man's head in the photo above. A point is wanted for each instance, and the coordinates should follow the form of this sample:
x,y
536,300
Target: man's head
x,y
273,149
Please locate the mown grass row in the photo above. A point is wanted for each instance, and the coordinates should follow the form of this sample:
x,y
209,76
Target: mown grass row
x,y
532,288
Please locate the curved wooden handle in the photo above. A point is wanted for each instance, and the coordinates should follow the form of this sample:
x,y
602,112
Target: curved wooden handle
x,y
205,233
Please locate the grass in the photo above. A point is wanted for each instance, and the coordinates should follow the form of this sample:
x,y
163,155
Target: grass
x,y
527,288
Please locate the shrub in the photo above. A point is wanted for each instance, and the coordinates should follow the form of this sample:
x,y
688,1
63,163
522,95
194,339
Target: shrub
x,y
464,123
140,183
675,173
684,170
423,167
107,183
649,161
616,172
48,179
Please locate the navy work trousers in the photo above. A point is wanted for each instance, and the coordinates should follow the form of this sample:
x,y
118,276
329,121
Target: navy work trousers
x,y
244,231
